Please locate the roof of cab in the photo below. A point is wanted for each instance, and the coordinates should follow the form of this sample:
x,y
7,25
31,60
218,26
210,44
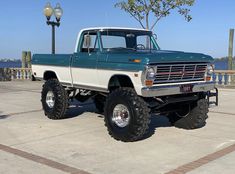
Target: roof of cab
x,y
105,28
113,28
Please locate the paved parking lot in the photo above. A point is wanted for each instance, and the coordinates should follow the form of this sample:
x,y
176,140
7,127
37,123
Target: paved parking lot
x,y
31,143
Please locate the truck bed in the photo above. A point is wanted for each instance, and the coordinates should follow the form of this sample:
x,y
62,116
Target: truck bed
x,y
57,63
54,60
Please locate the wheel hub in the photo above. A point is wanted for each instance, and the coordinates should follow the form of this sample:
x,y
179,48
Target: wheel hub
x,y
50,99
121,116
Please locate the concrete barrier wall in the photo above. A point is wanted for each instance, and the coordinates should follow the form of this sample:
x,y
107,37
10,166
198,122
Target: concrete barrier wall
x,y
5,74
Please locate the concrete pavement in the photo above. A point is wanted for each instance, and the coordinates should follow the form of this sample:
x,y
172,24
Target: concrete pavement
x,y
31,143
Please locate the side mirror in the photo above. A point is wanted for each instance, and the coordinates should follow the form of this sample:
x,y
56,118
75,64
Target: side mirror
x,y
130,35
87,41
155,36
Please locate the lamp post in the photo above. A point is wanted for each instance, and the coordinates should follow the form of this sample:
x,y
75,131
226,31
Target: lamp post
x,y
230,50
57,12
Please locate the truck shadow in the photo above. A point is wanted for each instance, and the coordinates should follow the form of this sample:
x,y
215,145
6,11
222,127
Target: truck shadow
x,y
3,116
156,122
76,109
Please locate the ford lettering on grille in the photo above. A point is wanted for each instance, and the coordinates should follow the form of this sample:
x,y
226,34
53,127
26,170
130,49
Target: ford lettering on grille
x,y
180,73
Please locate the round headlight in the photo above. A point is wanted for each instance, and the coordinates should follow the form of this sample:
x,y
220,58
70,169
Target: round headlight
x,y
150,73
210,69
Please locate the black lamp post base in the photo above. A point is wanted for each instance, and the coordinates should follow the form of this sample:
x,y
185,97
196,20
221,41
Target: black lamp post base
x,y
53,25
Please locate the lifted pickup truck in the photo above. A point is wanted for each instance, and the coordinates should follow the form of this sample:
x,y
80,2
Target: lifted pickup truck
x,y
129,77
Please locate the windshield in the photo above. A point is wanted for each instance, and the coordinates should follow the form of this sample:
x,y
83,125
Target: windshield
x,y
128,40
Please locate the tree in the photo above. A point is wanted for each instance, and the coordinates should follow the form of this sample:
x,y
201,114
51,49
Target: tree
x,y
141,10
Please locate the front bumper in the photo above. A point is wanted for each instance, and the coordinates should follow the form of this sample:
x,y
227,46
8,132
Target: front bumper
x,y
165,90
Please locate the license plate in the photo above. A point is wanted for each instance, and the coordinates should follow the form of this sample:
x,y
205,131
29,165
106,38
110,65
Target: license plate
x,y
186,88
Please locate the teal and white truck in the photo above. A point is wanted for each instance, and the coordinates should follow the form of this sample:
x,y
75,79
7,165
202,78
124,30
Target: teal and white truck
x,y
129,78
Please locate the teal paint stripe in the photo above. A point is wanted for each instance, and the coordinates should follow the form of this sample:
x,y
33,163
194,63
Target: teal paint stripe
x,y
99,68
49,59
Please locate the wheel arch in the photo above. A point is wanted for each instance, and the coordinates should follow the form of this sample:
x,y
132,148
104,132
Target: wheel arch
x,y
49,75
120,80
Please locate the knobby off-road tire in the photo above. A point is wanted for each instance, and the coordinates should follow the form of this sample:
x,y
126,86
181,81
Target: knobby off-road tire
x,y
133,106
52,88
99,102
196,118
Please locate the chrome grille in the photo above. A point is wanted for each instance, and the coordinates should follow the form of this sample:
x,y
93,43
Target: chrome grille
x,y
180,73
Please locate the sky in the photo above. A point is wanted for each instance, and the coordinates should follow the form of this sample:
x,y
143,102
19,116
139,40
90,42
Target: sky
x,y
23,26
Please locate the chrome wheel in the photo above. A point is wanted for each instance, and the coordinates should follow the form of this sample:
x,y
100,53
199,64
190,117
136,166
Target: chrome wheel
x,y
50,99
121,116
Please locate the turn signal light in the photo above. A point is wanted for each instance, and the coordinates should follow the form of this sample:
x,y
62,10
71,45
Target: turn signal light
x,y
135,60
208,78
148,82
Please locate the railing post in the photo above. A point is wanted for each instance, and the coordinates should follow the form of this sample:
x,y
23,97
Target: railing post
x,y
232,79
22,74
17,74
12,74
229,79
223,79
26,74
30,74
217,78
6,74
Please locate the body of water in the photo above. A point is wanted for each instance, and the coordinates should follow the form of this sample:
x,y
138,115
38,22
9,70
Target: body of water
x,y
10,64
219,65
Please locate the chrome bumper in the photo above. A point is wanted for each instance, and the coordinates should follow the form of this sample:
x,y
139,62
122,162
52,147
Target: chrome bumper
x,y
165,90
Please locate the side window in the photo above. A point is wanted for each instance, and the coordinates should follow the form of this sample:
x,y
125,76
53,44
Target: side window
x,y
144,42
93,43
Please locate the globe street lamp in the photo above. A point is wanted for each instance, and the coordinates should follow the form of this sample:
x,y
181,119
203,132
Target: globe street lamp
x,y
57,12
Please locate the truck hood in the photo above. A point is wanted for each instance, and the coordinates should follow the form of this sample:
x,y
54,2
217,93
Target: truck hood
x,y
159,56
177,56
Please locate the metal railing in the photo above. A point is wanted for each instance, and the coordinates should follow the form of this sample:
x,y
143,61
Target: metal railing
x,y
21,73
5,74
224,77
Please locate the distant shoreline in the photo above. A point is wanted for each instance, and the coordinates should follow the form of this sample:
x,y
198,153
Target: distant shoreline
x,y
222,59
5,61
